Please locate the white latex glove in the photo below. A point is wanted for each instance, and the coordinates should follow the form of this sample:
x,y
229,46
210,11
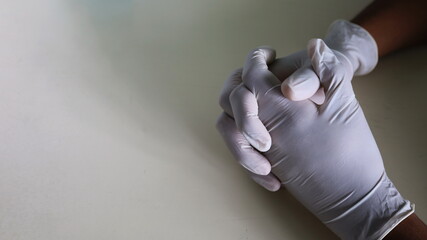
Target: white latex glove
x,y
300,82
251,131
324,155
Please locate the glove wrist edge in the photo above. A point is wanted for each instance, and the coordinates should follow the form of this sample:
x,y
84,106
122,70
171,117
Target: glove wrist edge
x,y
355,43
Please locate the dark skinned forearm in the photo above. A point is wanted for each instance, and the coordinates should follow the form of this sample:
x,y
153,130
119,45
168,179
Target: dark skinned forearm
x,y
395,24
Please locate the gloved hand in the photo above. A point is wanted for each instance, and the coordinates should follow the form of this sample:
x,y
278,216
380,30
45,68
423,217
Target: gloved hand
x,y
351,40
299,82
324,155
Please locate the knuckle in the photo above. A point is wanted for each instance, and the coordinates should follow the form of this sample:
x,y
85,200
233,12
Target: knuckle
x,y
224,100
236,76
232,83
220,123
237,73
234,95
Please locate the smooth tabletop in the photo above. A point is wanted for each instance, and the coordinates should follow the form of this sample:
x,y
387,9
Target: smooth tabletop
x,y
108,110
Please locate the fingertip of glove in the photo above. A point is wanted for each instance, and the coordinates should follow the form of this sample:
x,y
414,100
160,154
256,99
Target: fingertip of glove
x,y
268,52
262,169
264,146
267,182
289,92
294,93
274,188
259,141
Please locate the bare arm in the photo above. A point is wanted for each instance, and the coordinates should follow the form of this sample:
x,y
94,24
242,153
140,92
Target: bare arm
x,y
412,228
395,24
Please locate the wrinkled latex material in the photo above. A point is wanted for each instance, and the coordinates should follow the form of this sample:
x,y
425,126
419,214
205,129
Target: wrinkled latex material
x,y
303,82
355,43
325,155
299,82
345,37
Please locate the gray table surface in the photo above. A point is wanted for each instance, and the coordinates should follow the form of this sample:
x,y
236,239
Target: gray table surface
x,y
107,113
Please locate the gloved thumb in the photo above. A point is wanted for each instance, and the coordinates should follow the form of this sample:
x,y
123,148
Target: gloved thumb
x,y
300,82
301,85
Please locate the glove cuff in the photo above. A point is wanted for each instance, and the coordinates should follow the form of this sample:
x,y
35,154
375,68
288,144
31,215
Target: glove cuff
x,y
375,215
355,43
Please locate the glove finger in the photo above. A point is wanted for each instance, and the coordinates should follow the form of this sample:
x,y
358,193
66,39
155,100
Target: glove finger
x,y
243,152
269,182
333,72
301,85
234,80
245,112
293,71
256,76
282,68
319,97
